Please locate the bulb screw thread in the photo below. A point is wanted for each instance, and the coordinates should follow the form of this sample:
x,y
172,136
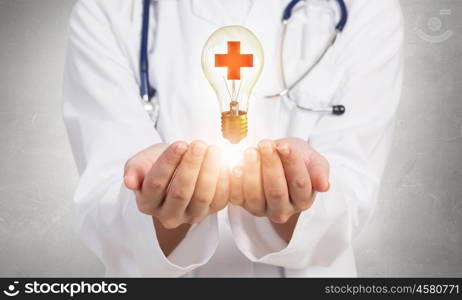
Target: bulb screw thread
x,y
234,127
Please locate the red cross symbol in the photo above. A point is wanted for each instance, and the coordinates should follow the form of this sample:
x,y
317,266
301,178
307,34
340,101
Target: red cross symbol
x,y
234,60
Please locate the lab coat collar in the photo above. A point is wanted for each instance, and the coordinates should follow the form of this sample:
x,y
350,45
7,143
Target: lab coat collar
x,y
213,12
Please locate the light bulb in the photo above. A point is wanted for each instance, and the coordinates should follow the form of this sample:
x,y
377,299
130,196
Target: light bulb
x,y
232,61
232,155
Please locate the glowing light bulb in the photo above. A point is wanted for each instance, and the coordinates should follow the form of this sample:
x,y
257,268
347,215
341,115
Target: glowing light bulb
x,y
232,61
232,154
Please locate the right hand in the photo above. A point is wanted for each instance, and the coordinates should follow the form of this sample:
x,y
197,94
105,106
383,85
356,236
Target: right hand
x,y
178,183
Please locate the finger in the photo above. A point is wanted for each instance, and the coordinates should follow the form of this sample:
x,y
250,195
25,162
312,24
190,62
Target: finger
x,y
182,186
221,197
134,175
139,165
236,193
279,207
318,168
206,184
297,176
135,170
254,195
155,184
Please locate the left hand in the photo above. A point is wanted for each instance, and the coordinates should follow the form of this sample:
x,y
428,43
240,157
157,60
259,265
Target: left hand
x,y
279,179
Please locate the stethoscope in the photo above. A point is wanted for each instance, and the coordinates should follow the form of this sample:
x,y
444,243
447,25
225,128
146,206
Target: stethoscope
x,y
148,93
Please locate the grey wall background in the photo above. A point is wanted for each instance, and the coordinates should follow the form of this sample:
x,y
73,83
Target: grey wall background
x,y
417,228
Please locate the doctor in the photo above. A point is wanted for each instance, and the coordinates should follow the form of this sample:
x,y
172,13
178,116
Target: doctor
x,y
155,200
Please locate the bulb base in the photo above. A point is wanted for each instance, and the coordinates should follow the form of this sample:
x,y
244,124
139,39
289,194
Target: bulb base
x,y
234,125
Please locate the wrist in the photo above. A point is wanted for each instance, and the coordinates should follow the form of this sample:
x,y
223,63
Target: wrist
x,y
169,239
286,230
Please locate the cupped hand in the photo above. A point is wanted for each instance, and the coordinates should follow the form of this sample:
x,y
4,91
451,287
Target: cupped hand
x,y
178,183
279,179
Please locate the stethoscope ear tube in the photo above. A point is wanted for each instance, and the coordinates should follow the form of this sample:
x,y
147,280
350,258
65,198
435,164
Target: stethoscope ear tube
x,y
287,14
288,10
343,15
336,110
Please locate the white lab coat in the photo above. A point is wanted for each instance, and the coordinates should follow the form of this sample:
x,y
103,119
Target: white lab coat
x,y
107,125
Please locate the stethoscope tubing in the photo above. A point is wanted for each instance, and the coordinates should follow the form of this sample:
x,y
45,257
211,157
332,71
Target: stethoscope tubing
x,y
147,92
145,89
287,14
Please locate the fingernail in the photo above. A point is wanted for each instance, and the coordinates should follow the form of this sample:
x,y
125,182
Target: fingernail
x,y
237,172
251,155
284,149
198,149
181,148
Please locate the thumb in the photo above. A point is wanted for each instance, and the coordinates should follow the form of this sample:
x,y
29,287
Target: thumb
x,y
134,173
139,165
133,180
